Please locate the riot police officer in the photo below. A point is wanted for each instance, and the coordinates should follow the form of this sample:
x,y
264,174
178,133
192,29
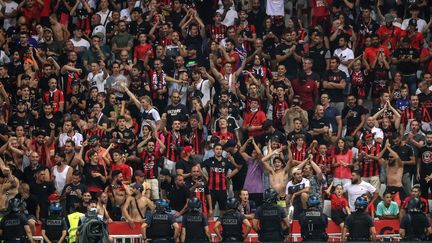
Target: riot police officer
x,y
161,226
313,222
359,224
270,216
195,225
14,226
414,225
54,228
232,222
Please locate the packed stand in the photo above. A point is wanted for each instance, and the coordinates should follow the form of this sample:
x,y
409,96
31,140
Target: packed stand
x,y
131,108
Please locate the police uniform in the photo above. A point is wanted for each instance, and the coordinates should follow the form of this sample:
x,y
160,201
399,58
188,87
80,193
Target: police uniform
x,y
194,223
160,229
12,226
359,224
313,224
232,222
54,226
415,223
270,217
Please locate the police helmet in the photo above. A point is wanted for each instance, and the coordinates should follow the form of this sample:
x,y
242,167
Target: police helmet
x,y
194,204
361,203
14,205
162,205
414,205
270,195
313,201
55,208
232,203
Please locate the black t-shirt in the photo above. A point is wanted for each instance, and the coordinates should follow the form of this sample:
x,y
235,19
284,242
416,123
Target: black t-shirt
x,y
308,136
336,95
31,204
319,123
239,178
186,166
41,192
177,197
319,56
72,198
404,66
43,122
290,63
356,116
425,155
29,172
173,111
12,226
135,27
94,184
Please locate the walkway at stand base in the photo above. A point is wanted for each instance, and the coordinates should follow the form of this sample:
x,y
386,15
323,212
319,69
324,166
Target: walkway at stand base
x,y
388,229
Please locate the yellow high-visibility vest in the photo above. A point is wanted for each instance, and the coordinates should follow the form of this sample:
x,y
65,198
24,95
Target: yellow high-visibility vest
x,y
73,219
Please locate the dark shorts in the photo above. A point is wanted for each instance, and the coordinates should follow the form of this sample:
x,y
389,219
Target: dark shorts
x,y
220,197
338,216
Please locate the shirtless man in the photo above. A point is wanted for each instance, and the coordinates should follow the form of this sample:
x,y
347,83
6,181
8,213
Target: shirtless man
x,y
394,171
117,193
60,31
134,209
9,185
101,207
278,174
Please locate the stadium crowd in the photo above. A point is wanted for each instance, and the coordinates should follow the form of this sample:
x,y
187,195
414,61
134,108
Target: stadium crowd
x,y
118,103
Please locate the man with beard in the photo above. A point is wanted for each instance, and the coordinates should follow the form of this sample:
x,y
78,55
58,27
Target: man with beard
x,y
389,33
61,172
41,189
69,132
354,116
199,188
122,41
102,207
9,185
394,171
319,54
32,169
74,191
320,126
173,141
54,48
371,53
371,128
22,117
334,81
407,60
134,209
176,108
97,51
117,193
47,118
424,166
278,173
151,162
43,146
289,53
357,187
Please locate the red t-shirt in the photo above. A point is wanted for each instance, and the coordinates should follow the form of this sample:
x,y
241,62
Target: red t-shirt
x,y
124,169
319,7
140,51
417,39
389,36
371,53
54,98
338,203
424,53
252,119
307,91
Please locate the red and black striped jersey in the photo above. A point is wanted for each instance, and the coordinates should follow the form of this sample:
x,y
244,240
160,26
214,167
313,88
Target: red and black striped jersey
x,y
172,142
224,136
323,160
217,33
409,114
370,167
150,164
217,171
98,131
279,108
196,139
299,154
200,192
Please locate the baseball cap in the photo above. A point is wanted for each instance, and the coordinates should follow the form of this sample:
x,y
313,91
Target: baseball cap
x,y
138,186
53,197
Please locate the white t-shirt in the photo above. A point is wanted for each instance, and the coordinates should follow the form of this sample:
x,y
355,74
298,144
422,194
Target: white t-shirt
x,y
355,191
230,17
344,55
82,43
104,17
9,8
420,24
205,87
97,80
291,187
275,8
77,138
